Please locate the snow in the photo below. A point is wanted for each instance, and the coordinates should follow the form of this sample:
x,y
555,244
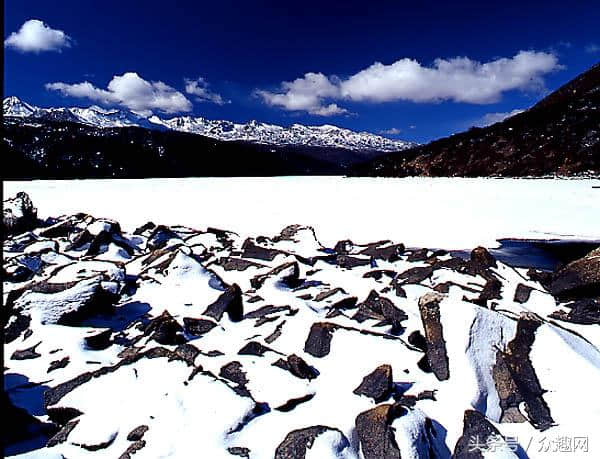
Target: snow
x,y
204,416
447,213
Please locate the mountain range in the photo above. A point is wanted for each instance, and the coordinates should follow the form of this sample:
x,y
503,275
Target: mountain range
x,y
253,131
558,136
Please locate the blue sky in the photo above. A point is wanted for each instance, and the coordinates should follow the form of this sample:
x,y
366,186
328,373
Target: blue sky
x,y
415,72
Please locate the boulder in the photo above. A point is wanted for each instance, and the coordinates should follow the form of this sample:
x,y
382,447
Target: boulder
x,y
375,433
298,367
437,357
516,380
522,293
164,329
297,442
481,259
382,309
579,279
197,327
18,214
583,312
229,301
319,338
377,385
67,304
480,439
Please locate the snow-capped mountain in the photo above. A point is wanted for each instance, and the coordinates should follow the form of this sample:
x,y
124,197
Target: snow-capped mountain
x,y
253,131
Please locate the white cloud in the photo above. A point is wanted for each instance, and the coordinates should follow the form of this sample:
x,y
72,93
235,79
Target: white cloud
x,y
199,88
491,118
36,36
306,94
131,91
391,131
592,48
458,79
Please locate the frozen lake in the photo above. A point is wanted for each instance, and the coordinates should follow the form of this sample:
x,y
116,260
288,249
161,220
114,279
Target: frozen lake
x,y
449,213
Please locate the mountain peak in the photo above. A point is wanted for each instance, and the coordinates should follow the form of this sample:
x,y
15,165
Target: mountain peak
x,y
255,131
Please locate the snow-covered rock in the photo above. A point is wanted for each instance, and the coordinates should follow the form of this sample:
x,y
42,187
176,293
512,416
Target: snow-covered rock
x,y
282,346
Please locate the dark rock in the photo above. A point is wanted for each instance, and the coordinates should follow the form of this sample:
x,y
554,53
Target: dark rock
x,y
378,384
426,395
375,434
62,415
197,327
251,250
286,275
233,372
522,293
382,309
388,253
132,449
186,352
99,341
137,433
344,304
63,434
56,364
413,275
482,259
268,310
543,277
254,348
294,402
276,333
229,301
18,214
26,354
491,291
297,442
406,400
476,428
418,255
348,262
237,264
319,339
54,394
298,367
145,227
377,274
239,451
429,307
579,279
516,380
583,312
164,329
326,294
60,229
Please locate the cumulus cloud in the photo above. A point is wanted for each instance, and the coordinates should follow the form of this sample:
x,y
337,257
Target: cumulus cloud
x,y
391,131
131,91
458,79
199,88
36,36
491,118
306,94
